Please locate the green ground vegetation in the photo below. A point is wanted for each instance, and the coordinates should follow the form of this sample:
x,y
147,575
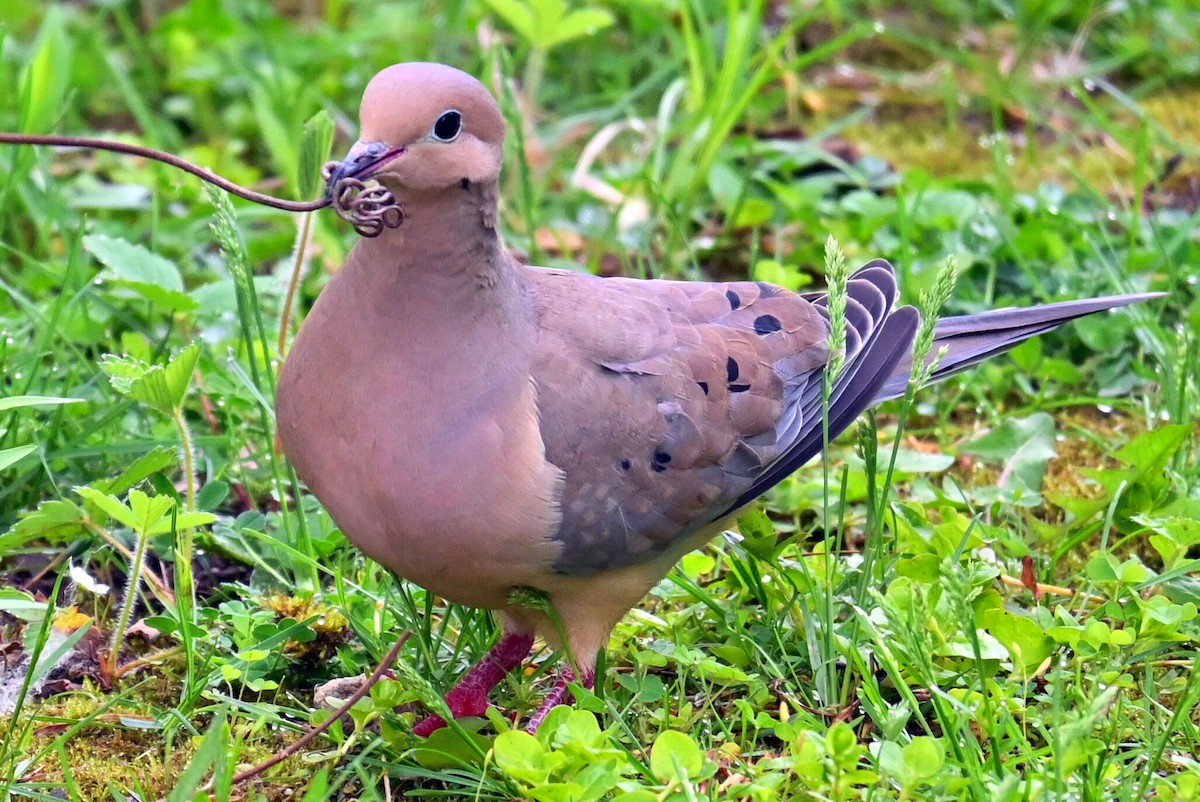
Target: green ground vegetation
x,y
989,592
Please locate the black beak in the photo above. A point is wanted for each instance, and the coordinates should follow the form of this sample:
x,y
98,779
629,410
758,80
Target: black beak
x,y
361,162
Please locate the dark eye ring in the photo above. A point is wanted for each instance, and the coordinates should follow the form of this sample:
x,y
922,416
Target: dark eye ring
x,y
448,126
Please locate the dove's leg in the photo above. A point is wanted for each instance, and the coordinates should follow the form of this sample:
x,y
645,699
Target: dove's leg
x,y
470,696
559,695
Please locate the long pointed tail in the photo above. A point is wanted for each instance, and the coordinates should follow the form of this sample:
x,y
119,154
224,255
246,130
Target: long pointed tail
x,y
970,339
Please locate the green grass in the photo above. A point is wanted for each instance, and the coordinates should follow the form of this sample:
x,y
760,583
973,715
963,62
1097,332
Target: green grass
x,y
861,638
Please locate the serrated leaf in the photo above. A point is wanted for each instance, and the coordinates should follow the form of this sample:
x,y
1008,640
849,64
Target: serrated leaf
x,y
54,521
1149,451
109,505
316,140
150,511
184,520
123,370
149,463
131,265
160,387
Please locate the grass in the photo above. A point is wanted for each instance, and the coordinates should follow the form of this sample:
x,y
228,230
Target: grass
x,y
1012,615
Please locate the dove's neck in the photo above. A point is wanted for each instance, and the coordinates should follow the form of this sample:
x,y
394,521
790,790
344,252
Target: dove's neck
x,y
448,240
443,275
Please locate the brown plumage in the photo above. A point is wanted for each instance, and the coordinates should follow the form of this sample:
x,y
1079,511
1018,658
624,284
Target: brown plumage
x,y
478,426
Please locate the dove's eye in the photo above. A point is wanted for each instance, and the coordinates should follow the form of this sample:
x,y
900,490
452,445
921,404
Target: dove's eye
x,y
447,127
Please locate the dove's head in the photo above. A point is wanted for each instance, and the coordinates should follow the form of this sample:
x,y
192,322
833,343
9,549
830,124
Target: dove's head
x,y
425,127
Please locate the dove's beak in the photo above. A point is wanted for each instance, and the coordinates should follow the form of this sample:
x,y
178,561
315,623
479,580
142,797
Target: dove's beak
x,y
362,161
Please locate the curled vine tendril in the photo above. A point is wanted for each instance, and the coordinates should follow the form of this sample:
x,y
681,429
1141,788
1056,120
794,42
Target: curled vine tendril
x,y
370,208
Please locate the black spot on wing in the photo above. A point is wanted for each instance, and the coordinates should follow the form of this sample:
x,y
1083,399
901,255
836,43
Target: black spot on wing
x,y
703,386
738,388
626,464
766,324
731,370
734,299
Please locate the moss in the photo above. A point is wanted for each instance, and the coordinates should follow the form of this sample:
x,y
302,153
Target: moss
x,y
912,130
100,755
332,628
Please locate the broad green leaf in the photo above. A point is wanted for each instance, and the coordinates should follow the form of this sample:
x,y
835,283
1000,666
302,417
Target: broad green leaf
x,y
1102,567
446,750
520,755
555,792
841,741
147,273
577,24
752,213
1024,445
281,142
726,184
889,757
316,140
11,456
580,727
1025,639
675,756
923,758
597,780
131,262
18,401
22,605
47,77
758,533
910,460
519,17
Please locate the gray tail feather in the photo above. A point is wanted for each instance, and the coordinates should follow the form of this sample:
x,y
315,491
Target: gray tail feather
x,y
970,339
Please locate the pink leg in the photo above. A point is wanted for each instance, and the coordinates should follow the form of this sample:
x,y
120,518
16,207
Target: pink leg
x,y
559,695
470,696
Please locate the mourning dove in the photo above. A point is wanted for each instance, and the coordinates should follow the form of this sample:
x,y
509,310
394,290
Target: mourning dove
x,y
479,426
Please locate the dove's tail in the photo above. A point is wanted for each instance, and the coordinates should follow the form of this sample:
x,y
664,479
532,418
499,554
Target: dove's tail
x,y
970,339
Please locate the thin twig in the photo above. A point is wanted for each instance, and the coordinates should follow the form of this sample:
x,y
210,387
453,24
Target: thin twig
x,y
304,739
167,158
370,209
313,732
1053,590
